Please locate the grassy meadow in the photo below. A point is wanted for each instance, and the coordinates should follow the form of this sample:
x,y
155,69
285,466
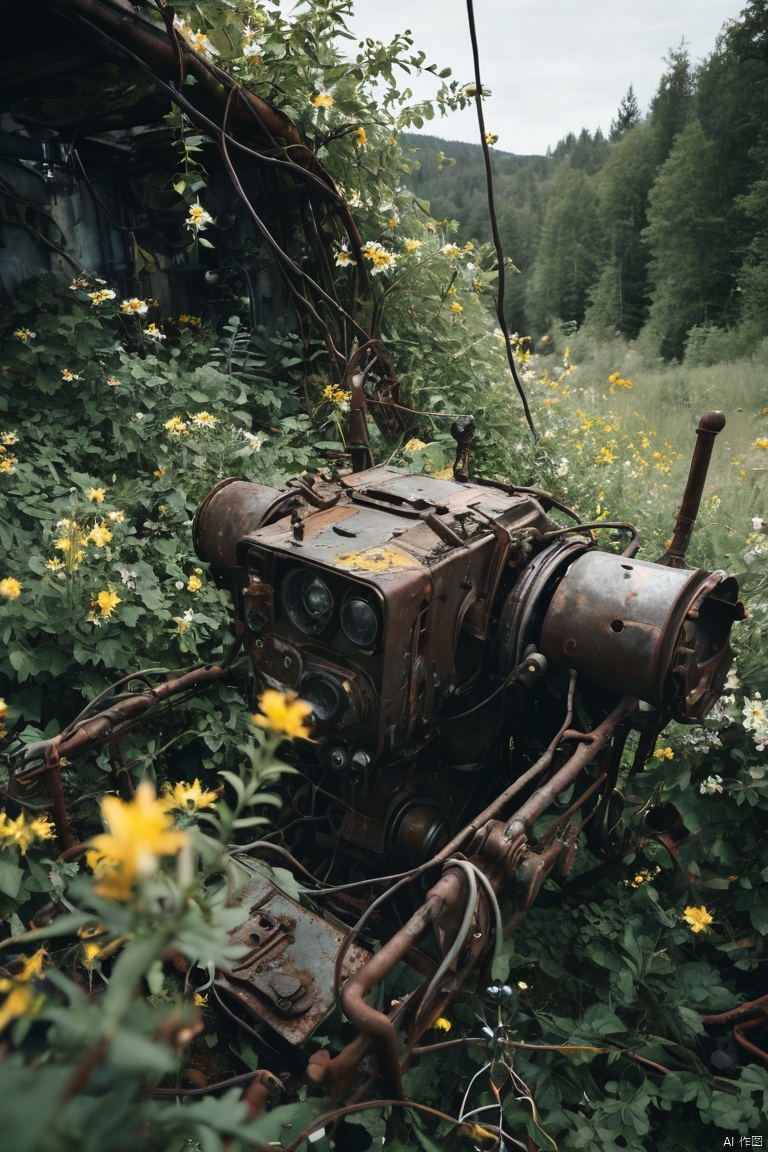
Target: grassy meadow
x,y
620,434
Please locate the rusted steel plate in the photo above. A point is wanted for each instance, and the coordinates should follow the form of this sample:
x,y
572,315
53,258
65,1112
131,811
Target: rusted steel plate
x,y
287,978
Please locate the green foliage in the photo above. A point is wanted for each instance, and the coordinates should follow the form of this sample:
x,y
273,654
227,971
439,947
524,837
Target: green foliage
x,y
569,251
688,264
118,433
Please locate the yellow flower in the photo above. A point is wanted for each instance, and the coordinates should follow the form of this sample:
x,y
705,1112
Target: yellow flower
x,y
697,919
450,250
24,334
21,999
762,443
155,333
604,456
113,382
107,601
283,714
116,517
10,588
31,966
360,136
322,100
335,394
100,296
3,709
664,754
491,137
159,473
68,376
139,834
188,797
176,426
412,245
456,307
23,832
616,381
96,495
442,1025
91,952
7,464
100,535
194,584
414,445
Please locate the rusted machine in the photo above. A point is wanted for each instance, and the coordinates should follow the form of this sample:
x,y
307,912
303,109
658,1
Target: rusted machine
x,y
475,669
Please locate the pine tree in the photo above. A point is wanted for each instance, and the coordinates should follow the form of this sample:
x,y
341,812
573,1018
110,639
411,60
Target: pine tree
x,y
627,116
689,248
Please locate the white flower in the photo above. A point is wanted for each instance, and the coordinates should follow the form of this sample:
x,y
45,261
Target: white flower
x,y
254,441
711,785
757,523
381,259
134,307
756,720
198,218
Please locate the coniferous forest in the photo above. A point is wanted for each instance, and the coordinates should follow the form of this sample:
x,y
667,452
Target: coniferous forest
x,y
658,229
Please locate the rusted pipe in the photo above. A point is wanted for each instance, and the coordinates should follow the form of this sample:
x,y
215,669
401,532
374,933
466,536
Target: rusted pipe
x,y
89,732
750,1009
710,424
58,806
373,1024
584,754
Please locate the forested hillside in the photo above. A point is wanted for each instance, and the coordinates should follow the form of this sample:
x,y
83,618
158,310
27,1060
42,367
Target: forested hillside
x,y
659,228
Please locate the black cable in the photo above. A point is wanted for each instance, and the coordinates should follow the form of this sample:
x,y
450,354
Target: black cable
x,y
494,223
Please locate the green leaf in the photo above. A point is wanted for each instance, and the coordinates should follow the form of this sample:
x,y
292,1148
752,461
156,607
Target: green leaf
x,y
11,877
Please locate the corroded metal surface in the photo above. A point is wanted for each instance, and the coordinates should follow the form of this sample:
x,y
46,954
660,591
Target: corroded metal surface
x,y
658,633
286,979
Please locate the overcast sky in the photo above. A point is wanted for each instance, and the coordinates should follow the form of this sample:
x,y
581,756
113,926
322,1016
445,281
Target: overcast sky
x,y
553,66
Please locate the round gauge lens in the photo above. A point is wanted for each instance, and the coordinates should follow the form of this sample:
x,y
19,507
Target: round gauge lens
x,y
360,622
318,600
308,602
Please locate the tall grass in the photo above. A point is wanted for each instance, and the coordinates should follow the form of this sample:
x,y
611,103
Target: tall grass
x,y
637,449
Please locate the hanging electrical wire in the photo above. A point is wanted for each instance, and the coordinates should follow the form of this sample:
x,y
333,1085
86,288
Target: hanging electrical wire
x,y
494,223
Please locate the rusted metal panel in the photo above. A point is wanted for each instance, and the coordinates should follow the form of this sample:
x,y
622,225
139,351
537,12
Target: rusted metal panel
x,y
286,980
